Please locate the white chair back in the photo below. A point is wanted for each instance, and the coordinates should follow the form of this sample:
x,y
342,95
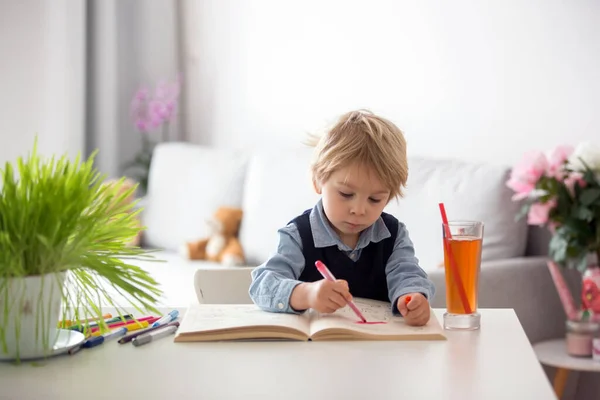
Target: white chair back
x,y
223,285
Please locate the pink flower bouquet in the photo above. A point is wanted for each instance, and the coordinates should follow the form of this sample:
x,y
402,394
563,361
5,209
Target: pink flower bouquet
x,y
561,191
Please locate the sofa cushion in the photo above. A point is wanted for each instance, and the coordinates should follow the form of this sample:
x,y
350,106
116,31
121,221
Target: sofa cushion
x,y
469,191
187,184
278,188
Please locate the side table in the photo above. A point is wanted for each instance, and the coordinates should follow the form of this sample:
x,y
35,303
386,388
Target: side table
x,y
554,353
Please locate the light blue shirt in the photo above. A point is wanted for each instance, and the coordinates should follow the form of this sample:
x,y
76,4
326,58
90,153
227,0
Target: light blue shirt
x,y
273,281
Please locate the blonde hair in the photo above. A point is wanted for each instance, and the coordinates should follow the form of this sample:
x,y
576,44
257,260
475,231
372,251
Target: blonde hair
x,y
364,138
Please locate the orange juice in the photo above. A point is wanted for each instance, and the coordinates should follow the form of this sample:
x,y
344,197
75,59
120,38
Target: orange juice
x,y
467,257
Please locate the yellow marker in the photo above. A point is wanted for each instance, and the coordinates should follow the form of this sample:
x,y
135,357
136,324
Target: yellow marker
x,y
67,323
134,326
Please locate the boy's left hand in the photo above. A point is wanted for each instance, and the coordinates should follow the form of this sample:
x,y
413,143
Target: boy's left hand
x,y
416,311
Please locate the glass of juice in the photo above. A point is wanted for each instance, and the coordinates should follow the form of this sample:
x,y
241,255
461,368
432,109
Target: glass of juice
x,y
462,242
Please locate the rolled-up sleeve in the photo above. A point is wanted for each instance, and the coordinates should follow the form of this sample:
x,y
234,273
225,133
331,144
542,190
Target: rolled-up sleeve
x,y
273,281
404,275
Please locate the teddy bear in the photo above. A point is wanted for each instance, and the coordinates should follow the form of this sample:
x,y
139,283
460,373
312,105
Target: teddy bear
x,y
222,244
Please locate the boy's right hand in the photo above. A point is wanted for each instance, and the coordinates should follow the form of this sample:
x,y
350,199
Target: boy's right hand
x,y
327,296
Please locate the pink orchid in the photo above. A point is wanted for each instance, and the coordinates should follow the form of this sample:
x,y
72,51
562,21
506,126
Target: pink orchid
x,y
157,111
139,110
170,109
167,94
526,174
539,212
150,112
141,125
557,159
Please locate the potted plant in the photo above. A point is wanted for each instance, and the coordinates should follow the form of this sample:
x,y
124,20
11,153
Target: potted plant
x,y
64,251
561,191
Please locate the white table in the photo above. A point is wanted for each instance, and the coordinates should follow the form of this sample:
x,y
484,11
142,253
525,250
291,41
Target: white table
x,y
496,362
554,353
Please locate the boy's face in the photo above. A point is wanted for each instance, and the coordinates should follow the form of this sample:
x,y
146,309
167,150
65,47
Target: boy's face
x,y
353,199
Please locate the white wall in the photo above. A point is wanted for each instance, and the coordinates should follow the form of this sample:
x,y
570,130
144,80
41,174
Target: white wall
x,y
21,54
41,77
477,80
132,44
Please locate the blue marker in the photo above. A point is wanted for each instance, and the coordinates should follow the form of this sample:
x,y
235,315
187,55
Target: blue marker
x,y
95,341
165,319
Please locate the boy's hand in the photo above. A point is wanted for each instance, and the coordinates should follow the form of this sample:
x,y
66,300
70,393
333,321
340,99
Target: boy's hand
x,y
416,311
327,296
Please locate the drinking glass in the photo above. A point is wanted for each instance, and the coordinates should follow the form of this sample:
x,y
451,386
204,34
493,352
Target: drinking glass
x,y
462,242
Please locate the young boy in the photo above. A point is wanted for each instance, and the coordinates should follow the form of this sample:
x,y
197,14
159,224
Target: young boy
x,y
360,166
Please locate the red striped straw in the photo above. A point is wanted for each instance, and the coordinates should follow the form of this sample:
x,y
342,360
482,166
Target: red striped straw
x,y
453,266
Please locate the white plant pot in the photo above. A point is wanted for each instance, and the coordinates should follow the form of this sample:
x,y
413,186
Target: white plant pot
x,y
30,309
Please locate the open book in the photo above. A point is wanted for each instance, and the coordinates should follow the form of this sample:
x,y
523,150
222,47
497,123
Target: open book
x,y
217,322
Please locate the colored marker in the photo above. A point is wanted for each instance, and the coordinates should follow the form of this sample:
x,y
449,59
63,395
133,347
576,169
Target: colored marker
x,y
329,276
98,340
132,336
165,319
137,327
130,327
149,337
149,320
68,323
96,325
407,299
113,320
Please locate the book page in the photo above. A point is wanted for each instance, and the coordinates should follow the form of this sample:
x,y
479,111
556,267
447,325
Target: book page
x,y
381,322
205,318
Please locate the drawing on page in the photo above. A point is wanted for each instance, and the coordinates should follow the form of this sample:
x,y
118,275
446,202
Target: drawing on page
x,y
375,314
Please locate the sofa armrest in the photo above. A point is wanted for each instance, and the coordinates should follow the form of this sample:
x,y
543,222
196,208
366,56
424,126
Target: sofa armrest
x,y
525,285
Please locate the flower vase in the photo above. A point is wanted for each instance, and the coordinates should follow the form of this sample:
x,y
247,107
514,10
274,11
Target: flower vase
x,y
30,309
581,332
590,291
565,295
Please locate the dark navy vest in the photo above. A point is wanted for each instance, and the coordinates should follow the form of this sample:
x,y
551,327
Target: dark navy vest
x,y
365,276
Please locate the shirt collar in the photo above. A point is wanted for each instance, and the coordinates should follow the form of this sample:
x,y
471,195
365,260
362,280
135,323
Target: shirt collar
x,y
324,235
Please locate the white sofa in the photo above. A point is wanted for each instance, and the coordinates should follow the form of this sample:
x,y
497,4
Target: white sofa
x,y
188,182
